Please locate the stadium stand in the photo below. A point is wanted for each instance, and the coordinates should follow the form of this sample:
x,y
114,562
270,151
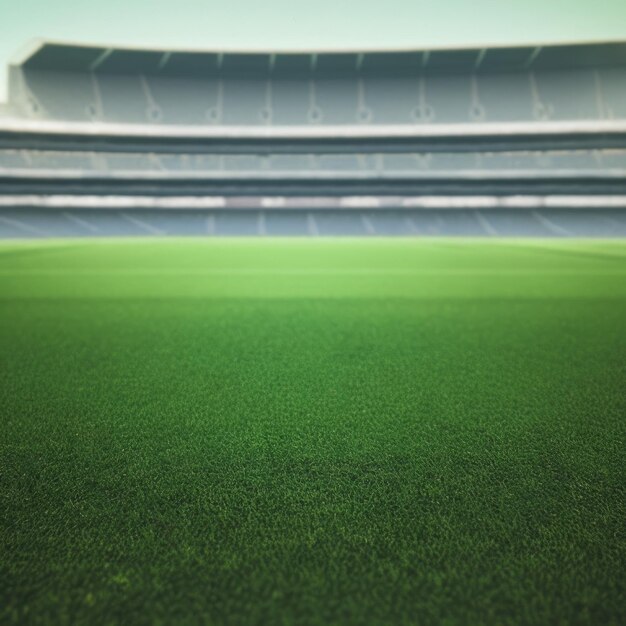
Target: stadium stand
x,y
525,141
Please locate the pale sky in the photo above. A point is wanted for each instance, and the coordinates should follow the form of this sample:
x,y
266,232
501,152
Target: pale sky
x,y
306,24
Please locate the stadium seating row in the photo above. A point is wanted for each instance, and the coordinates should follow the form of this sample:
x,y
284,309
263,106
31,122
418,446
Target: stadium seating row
x,y
485,142
20,223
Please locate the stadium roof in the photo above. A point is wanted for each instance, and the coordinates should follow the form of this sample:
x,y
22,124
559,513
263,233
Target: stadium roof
x,y
55,56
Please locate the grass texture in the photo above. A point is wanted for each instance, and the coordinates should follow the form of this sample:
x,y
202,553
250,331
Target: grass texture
x,y
312,432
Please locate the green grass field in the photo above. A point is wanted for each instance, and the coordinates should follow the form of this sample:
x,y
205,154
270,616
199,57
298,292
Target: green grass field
x,y
313,432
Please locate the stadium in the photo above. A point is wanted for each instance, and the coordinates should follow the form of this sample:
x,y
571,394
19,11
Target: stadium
x,y
326,337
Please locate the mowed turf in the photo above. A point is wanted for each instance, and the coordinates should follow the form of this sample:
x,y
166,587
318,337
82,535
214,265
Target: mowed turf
x,y
313,432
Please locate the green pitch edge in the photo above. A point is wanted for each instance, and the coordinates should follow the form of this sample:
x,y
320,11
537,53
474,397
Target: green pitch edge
x,y
305,268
